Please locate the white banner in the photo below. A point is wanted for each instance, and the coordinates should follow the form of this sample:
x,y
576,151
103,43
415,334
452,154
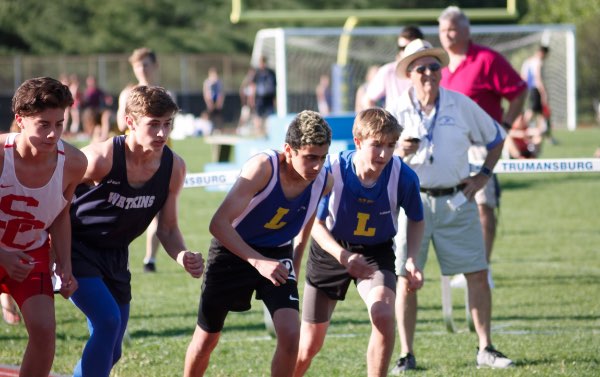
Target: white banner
x,y
543,165
539,165
217,178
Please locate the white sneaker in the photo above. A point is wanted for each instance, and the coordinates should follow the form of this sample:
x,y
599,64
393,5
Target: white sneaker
x,y
492,358
458,281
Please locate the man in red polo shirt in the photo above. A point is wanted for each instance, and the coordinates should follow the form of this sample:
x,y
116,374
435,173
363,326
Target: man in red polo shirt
x,y
486,77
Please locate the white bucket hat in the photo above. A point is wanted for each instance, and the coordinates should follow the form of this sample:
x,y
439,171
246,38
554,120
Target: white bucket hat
x,y
417,49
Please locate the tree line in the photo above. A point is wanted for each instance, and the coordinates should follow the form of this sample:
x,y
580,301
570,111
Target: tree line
x,y
82,27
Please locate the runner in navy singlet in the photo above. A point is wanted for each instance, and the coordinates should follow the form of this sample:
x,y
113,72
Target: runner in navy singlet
x,y
129,180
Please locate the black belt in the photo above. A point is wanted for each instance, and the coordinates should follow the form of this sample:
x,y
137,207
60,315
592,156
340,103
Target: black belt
x,y
434,192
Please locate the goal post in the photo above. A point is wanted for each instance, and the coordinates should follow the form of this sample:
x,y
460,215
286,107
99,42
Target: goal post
x,y
301,55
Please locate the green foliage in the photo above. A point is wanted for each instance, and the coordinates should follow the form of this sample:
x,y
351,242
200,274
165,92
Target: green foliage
x,y
190,26
546,264
366,4
561,11
87,27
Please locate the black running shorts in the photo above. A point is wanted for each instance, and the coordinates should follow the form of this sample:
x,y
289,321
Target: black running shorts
x,y
324,272
229,283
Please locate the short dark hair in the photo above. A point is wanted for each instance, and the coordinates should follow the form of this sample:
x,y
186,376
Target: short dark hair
x,y
411,32
41,93
308,128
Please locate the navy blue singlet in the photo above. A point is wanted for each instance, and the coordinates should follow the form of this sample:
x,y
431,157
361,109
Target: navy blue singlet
x,y
112,214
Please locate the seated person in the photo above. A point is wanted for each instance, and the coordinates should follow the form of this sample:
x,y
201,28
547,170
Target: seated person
x,y
523,141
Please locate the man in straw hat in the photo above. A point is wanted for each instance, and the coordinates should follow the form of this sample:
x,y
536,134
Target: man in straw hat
x,y
439,127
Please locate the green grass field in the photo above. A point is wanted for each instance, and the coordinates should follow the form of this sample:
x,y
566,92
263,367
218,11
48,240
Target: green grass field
x,y
546,316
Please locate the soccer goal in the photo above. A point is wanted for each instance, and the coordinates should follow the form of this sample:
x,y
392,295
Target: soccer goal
x,y
301,55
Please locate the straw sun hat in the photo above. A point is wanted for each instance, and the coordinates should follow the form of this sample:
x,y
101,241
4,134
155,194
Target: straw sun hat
x,y
418,49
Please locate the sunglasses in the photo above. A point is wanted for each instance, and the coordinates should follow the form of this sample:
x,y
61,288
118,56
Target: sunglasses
x,y
433,67
401,48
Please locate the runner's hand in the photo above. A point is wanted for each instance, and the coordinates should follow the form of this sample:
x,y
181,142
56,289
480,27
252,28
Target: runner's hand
x,y
273,270
358,267
414,276
192,262
68,285
17,264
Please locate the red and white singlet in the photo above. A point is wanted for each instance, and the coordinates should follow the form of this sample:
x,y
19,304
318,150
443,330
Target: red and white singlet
x,y
26,213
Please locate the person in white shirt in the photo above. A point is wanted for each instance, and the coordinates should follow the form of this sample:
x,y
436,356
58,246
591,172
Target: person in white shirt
x,y
386,85
439,127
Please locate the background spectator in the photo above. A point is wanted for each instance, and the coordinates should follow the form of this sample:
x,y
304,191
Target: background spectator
x,y
265,84
214,97
386,85
487,78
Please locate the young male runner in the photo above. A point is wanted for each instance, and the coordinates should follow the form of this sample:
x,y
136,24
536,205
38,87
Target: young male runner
x,y
39,173
272,202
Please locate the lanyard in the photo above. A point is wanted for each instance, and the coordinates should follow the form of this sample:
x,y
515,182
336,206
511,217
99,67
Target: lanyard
x,y
431,127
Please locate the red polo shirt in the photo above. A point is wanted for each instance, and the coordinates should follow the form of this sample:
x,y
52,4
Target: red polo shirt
x,y
486,77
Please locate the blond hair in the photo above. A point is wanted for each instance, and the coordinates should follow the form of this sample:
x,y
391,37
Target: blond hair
x,y
142,53
375,122
149,100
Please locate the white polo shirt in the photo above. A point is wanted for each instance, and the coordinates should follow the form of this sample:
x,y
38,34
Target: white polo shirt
x,y
446,135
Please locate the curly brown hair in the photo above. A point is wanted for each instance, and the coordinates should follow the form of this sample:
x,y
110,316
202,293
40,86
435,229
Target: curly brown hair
x,y
308,128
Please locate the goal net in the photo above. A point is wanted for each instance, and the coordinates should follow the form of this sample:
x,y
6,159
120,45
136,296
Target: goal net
x,y
301,55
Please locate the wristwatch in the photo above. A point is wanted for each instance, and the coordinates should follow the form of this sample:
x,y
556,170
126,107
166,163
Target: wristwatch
x,y
486,171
